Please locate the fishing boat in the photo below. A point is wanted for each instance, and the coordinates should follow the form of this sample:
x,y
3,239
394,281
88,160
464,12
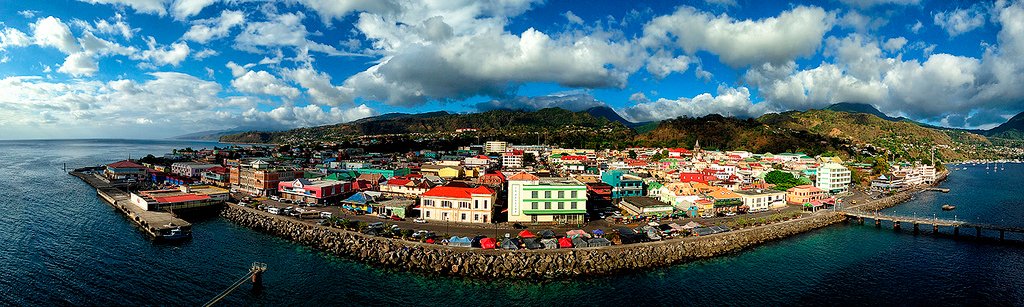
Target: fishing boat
x,y
175,233
948,207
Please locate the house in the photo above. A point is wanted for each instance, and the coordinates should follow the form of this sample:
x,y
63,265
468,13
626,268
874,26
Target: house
x,y
124,171
535,199
394,207
803,194
190,169
623,183
219,176
406,187
443,171
833,178
478,160
682,195
512,158
458,204
261,181
495,180
888,182
364,201
725,200
387,173
645,206
696,177
762,200
317,191
373,179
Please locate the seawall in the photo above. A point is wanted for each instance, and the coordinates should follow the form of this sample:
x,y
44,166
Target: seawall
x,y
533,264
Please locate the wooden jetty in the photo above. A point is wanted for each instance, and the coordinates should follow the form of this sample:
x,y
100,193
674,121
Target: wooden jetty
x,y
156,224
936,223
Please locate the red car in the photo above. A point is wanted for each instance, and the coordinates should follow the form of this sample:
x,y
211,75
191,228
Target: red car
x,y
396,218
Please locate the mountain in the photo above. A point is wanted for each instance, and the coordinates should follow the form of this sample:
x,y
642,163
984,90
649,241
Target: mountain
x,y
552,125
213,135
855,107
610,114
1011,129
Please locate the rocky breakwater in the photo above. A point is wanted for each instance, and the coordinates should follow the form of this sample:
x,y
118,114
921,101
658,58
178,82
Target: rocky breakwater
x,y
534,264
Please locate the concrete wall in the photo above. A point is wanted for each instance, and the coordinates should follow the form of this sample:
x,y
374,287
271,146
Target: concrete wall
x,y
537,264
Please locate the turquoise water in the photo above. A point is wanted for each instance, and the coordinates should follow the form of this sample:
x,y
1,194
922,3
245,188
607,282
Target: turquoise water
x,y
63,246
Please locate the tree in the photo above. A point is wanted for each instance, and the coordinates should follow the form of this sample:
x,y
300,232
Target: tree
x,y
529,159
782,180
632,154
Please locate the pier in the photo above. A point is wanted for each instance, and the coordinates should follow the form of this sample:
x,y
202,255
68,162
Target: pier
x,y
898,222
943,190
156,224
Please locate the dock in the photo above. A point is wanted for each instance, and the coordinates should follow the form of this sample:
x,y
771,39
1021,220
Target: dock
x,y
156,224
943,190
935,223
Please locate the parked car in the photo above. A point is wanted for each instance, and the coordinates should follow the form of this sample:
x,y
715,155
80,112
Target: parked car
x,y
382,216
325,215
274,210
422,234
419,220
396,218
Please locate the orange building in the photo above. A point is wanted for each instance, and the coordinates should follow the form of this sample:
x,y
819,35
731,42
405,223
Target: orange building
x,y
803,194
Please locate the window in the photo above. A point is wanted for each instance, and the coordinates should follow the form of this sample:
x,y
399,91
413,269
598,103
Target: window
x,y
572,205
572,194
533,194
463,216
561,205
561,194
547,205
428,213
476,217
485,204
547,194
534,205
476,204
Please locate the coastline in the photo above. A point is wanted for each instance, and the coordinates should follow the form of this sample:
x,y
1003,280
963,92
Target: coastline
x,y
426,258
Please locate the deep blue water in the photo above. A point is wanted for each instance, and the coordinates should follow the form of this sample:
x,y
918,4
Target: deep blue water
x,y
63,246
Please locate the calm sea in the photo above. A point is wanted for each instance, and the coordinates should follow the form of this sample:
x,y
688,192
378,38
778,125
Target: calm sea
x,y
61,245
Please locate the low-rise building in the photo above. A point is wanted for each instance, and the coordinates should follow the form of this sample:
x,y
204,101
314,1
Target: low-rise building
x,y
458,204
495,147
512,159
190,169
315,191
261,181
803,194
535,199
185,197
623,183
124,172
762,200
645,206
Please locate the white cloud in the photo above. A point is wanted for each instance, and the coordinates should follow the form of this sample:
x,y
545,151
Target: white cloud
x,y
11,37
864,4
571,100
916,27
205,30
861,23
894,44
28,13
164,55
318,86
52,32
331,9
961,21
728,102
662,64
281,30
723,3
79,64
205,53
572,18
183,9
157,7
260,83
95,45
794,33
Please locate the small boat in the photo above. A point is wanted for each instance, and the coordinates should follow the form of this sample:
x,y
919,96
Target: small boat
x,y
175,234
948,207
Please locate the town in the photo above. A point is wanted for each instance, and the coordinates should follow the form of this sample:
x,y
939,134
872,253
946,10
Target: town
x,y
508,196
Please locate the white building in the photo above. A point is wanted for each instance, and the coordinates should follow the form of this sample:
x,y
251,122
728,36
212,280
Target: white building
x,y
762,200
190,169
546,200
833,178
458,204
495,146
512,159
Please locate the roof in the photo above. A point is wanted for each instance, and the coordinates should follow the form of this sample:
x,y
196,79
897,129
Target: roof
x,y
125,164
723,194
644,202
523,176
458,192
181,198
399,181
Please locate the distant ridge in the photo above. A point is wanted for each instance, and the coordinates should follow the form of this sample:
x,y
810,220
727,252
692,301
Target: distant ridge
x,y
610,114
1011,129
856,107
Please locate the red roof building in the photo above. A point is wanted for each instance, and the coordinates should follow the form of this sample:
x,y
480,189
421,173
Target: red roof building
x,y
458,204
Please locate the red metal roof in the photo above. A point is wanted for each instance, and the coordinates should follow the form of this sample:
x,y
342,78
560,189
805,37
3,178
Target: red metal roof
x,y
523,176
181,198
457,192
125,164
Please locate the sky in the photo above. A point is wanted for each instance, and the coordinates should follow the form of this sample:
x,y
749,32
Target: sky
x,y
161,68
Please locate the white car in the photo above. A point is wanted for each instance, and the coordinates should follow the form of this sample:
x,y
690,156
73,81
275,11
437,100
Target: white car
x,y
420,220
275,198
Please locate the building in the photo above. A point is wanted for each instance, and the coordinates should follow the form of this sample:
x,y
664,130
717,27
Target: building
x,y
458,204
724,200
762,200
443,171
623,183
803,194
512,159
387,173
124,172
219,176
888,182
645,206
190,169
546,200
495,147
185,197
406,187
478,160
261,181
833,178
317,191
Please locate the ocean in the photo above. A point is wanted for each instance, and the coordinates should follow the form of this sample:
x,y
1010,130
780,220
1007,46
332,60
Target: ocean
x,y
61,245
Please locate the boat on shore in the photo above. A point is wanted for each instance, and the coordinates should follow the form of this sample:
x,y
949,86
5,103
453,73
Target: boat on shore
x,y
948,207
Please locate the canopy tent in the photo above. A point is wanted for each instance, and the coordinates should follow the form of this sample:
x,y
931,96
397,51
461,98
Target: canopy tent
x,y
488,243
579,242
577,233
510,243
460,241
533,243
526,234
597,232
691,225
599,242
564,243
547,234
549,243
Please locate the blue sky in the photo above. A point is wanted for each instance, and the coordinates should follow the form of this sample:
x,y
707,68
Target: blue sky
x,y
159,68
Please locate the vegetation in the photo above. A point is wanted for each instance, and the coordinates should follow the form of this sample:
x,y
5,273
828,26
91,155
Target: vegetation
x,y
782,180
